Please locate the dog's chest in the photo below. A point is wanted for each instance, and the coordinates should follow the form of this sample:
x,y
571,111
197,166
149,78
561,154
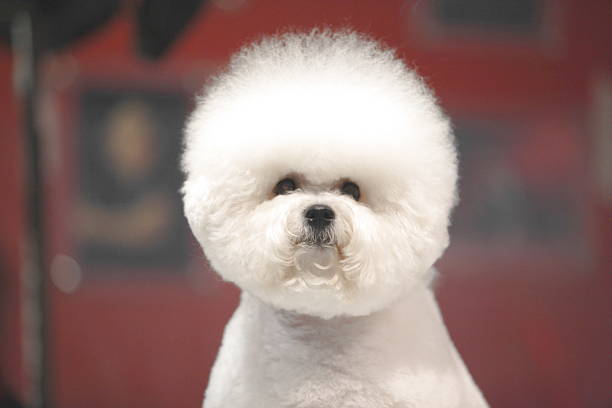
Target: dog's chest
x,y
284,361
276,359
312,369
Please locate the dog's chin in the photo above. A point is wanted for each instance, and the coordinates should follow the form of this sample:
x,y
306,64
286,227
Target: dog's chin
x,y
323,280
315,266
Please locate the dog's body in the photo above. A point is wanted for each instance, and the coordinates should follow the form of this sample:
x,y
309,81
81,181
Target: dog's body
x,y
320,178
400,357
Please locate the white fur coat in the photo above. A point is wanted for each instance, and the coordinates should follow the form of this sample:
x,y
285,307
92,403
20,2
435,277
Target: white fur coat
x,y
400,357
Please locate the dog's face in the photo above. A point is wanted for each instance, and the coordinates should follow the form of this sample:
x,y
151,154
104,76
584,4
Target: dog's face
x,y
318,184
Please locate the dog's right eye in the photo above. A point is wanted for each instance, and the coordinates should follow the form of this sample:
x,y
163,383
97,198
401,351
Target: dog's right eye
x,y
285,186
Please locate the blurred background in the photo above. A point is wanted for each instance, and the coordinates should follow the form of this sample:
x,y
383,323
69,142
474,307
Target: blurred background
x,y
105,299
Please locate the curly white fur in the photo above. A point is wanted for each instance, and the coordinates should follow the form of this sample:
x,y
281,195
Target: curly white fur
x,y
321,108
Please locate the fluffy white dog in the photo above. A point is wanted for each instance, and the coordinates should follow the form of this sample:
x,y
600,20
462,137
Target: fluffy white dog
x,y
320,178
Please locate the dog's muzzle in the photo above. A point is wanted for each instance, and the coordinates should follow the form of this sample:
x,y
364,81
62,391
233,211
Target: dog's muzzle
x,y
319,219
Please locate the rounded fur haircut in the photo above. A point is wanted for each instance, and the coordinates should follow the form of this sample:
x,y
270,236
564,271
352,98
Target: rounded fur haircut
x,y
321,107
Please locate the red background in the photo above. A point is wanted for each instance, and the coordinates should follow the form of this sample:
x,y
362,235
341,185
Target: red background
x,y
534,328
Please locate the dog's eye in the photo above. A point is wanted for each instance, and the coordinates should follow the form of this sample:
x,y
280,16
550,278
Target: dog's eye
x,y
352,189
285,186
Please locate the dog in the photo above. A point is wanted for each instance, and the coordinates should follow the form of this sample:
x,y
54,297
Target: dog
x,y
320,175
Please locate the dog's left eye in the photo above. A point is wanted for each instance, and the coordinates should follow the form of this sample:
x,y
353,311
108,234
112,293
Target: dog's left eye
x,y
352,189
285,186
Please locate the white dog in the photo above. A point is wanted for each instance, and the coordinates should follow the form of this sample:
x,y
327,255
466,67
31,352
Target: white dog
x,y
320,178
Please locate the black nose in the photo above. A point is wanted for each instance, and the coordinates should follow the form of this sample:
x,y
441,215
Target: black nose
x,y
319,216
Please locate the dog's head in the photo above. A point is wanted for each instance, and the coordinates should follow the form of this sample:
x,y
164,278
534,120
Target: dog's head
x,y
320,174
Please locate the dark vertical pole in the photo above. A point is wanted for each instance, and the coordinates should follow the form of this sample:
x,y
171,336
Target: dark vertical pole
x,y
26,47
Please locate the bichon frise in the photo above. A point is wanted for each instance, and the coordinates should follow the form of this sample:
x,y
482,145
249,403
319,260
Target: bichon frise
x,y
320,174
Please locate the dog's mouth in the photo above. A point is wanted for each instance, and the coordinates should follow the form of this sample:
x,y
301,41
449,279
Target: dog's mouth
x,y
316,259
317,265
317,237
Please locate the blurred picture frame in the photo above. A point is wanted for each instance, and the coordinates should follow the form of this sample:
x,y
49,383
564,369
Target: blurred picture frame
x,y
515,203
127,209
114,202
